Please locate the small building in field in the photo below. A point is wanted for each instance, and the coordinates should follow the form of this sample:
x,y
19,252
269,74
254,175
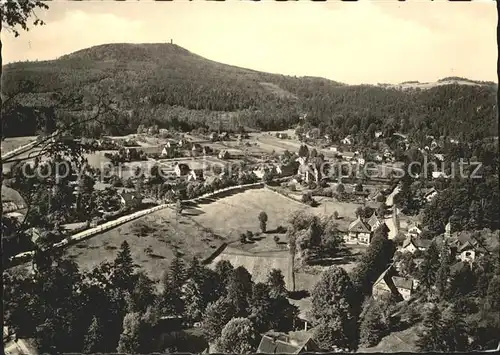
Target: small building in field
x,y
195,175
281,343
207,150
430,194
347,140
197,148
413,231
359,232
184,143
224,154
181,169
378,134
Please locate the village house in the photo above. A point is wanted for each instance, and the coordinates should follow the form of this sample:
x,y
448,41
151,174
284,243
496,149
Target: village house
x,y
195,175
292,343
430,194
207,150
224,136
438,174
439,157
214,136
181,169
378,134
413,230
184,143
261,171
361,160
447,230
130,199
197,148
308,172
374,222
281,135
374,195
389,283
466,247
359,232
347,140
224,154
411,244
378,158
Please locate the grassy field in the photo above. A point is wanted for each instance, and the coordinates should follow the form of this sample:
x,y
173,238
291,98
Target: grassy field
x,y
155,238
233,215
161,233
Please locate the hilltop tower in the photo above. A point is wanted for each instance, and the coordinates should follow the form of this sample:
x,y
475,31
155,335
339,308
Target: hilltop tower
x,y
171,41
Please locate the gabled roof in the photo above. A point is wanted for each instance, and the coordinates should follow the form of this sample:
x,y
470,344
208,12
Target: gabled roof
x,y
372,220
130,196
402,282
359,226
278,343
183,166
422,243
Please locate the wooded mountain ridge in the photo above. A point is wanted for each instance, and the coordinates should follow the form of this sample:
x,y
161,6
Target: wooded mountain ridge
x,y
167,85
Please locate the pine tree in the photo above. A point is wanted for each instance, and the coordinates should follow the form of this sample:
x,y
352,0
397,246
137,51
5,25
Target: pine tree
x,y
431,338
372,328
333,304
429,267
261,306
94,338
239,290
443,273
123,269
276,283
130,338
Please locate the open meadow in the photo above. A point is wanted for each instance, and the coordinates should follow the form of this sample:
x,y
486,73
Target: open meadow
x,y
153,240
202,227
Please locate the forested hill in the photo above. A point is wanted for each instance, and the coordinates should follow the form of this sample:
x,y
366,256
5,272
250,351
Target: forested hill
x,y
167,85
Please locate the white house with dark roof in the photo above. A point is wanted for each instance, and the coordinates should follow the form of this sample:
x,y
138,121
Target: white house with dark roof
x,y
359,232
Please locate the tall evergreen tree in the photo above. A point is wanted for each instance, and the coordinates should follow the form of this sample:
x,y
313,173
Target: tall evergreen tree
x,y
276,283
123,269
239,290
94,338
429,267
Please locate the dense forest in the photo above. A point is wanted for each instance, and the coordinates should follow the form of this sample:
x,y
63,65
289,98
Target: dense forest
x,y
167,85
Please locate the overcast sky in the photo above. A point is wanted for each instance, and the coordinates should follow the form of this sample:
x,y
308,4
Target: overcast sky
x,y
362,42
